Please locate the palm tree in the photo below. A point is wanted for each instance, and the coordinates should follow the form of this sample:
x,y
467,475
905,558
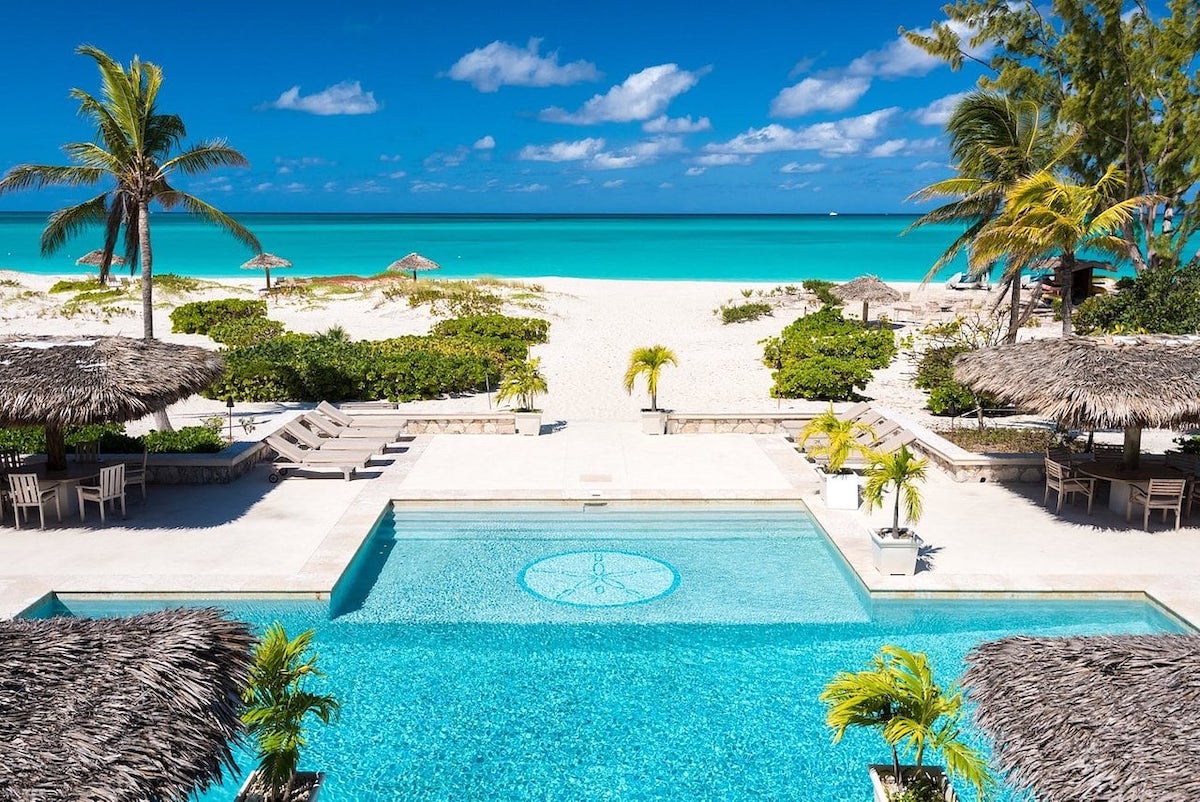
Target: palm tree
x,y
903,471
277,704
133,149
1045,214
839,438
522,381
994,142
650,361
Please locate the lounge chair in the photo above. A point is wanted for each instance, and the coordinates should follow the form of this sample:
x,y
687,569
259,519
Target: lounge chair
x,y
290,456
327,428
342,419
901,437
962,281
1160,494
1059,478
308,439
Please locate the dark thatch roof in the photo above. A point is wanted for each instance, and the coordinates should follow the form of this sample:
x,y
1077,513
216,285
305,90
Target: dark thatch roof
x,y
414,261
63,381
866,288
119,709
1089,382
1054,263
266,260
1099,717
96,258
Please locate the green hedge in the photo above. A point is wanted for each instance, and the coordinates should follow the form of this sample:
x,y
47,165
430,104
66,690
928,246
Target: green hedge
x,y
242,331
826,357
935,375
199,317
114,440
1164,299
530,330
823,290
740,313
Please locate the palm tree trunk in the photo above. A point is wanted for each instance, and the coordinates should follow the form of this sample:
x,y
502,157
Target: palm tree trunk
x,y
1068,289
1014,308
896,514
161,421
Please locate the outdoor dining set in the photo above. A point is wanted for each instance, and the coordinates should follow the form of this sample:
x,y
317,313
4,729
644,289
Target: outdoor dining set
x,y
1171,486
27,486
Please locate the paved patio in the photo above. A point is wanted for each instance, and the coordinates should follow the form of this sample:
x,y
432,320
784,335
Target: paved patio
x,y
298,536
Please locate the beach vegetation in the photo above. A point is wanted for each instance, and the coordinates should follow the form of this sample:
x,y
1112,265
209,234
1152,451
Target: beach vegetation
x,y
1164,299
823,356
242,331
839,438
447,298
113,439
530,330
648,362
137,151
522,382
740,313
823,290
74,285
277,704
943,342
1002,439
1123,75
1188,444
198,317
903,472
898,697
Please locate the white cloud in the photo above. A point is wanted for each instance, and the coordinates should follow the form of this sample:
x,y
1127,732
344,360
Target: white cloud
x,y
793,185
616,184
295,186
396,174
346,97
427,186
485,143
290,165
666,185
501,64
695,171
578,150
938,112
900,59
889,148
643,95
802,66
368,187
638,154
930,165
722,159
394,157
797,167
832,93
441,160
836,138
581,182
527,188
265,186
679,125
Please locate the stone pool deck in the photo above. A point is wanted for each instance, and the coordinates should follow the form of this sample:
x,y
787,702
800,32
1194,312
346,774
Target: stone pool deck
x,y
296,537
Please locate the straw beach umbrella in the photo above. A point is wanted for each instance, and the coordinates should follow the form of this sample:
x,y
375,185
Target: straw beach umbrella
x,y
264,262
58,382
869,290
1096,717
1129,383
96,258
115,709
412,263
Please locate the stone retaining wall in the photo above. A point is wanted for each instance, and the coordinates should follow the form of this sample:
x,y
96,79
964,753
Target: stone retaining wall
x,y
766,423
459,424
198,469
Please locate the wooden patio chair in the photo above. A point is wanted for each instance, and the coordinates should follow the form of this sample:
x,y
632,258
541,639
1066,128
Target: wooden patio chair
x,y
109,488
1060,479
1107,452
25,492
1160,494
135,473
87,452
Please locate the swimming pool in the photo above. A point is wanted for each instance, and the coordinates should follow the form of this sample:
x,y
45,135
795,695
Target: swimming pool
x,y
614,653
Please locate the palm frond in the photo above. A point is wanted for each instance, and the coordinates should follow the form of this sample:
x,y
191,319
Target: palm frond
x,y
65,223
204,157
36,176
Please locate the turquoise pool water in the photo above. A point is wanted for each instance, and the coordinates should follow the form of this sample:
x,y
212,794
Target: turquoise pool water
x,y
608,653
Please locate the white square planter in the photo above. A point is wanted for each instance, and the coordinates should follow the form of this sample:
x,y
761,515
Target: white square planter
x,y
841,491
895,556
654,422
884,769
528,423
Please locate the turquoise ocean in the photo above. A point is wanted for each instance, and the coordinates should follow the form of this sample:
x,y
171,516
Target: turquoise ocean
x,y
751,248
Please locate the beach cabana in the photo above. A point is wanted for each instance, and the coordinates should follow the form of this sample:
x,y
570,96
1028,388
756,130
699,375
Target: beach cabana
x,y
1082,276
58,382
869,290
264,262
1129,382
413,263
144,707
1095,717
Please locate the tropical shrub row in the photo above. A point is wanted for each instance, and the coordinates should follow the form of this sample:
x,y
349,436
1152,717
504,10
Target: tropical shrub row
x,y
1164,299
935,375
740,313
823,356
112,439
199,317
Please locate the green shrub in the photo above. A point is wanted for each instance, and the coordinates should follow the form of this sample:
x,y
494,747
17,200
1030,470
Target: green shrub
x,y
529,330
198,317
187,440
825,341
76,285
243,331
823,290
743,312
1164,299
822,378
935,375
23,439
114,440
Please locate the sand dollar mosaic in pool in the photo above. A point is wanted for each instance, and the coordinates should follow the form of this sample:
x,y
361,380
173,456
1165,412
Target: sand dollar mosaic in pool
x,y
599,578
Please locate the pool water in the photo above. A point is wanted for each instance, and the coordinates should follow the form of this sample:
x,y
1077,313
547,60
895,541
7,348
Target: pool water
x,y
608,653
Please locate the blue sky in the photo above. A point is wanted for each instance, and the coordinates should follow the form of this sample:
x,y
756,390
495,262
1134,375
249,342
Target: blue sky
x,y
651,106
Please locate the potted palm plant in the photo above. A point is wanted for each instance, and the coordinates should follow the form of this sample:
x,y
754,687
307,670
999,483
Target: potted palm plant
x,y
522,382
839,440
276,706
896,548
898,697
649,361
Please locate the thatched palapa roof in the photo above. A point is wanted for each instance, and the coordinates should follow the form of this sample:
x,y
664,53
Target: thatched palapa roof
x,y
412,263
119,709
96,258
866,288
266,261
64,381
1090,382
1098,717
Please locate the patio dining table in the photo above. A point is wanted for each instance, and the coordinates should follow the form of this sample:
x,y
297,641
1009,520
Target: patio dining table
x,y
1121,478
66,481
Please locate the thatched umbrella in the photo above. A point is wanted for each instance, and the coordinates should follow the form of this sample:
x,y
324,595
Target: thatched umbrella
x,y
869,290
68,381
1096,383
1097,717
412,263
96,258
265,261
120,709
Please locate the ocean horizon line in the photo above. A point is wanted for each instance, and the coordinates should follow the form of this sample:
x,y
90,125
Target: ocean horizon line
x,y
511,215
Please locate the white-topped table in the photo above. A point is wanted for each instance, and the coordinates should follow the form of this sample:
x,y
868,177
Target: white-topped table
x,y
1121,478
